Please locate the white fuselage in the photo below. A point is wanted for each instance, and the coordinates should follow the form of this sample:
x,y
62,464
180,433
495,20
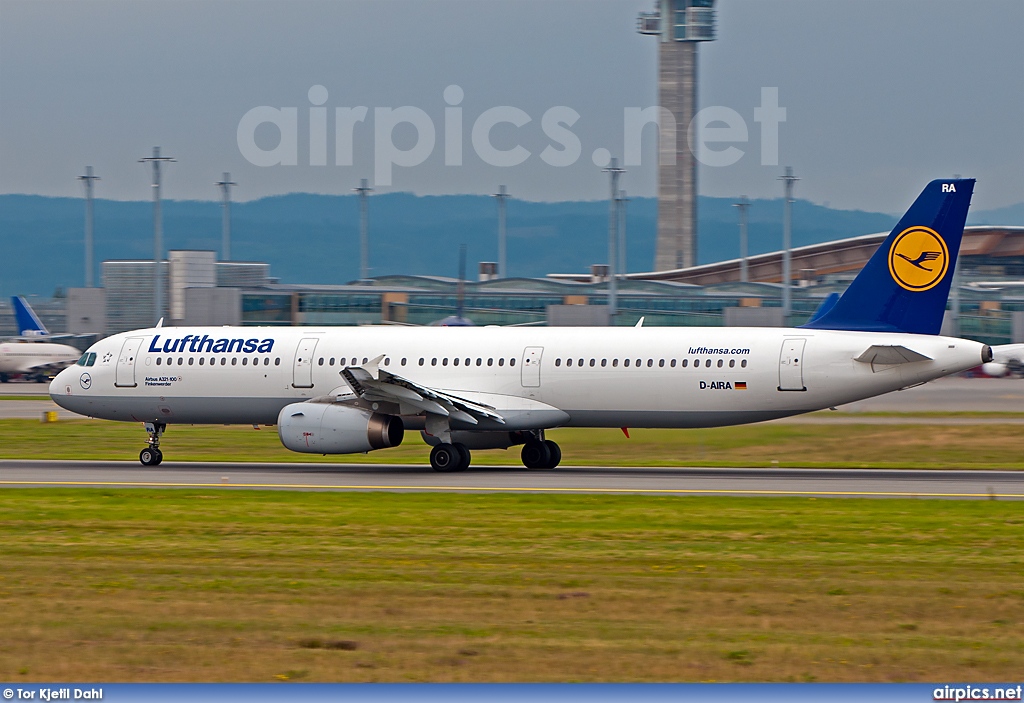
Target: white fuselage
x,y
594,377
25,357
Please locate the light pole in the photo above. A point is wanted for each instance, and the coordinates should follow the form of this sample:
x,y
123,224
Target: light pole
x,y
87,180
225,189
613,235
364,191
502,196
158,254
787,243
742,206
622,233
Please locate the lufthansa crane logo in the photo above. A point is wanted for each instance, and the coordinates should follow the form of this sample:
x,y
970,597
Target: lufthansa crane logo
x,y
86,381
918,259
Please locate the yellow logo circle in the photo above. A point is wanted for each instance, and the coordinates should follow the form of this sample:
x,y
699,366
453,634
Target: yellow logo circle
x,y
918,258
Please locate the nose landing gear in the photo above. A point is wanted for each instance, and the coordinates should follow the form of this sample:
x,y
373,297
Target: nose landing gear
x,y
151,455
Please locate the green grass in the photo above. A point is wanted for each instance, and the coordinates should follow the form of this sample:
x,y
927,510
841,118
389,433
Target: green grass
x,y
25,397
182,585
972,446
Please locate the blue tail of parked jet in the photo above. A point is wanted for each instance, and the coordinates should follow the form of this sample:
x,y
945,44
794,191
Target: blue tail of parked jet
x,y
29,324
905,285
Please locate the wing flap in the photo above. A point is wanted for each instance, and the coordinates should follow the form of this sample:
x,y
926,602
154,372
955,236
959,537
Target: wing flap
x,y
372,383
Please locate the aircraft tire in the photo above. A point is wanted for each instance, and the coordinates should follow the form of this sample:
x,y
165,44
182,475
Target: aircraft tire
x,y
466,457
150,456
556,453
159,457
445,458
536,455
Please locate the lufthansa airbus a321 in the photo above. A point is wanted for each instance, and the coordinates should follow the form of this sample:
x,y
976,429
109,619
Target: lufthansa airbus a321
x,y
356,389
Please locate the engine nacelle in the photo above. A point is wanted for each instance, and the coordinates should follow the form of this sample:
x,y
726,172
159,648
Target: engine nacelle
x,y
326,428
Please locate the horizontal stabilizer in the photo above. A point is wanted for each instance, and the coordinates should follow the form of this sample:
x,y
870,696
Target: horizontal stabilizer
x,y
890,355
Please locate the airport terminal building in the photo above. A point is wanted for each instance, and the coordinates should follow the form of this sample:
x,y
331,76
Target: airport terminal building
x,y
204,291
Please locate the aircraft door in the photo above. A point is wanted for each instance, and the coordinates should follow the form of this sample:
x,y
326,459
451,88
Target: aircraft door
x,y
791,365
531,366
124,375
302,374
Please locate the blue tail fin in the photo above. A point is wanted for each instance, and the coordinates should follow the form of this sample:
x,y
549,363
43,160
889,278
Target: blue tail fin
x,y
905,284
29,324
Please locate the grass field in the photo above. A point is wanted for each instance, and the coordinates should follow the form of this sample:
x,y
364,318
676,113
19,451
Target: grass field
x,y
175,585
986,446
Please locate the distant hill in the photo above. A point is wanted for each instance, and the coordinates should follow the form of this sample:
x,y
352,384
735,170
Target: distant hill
x,y
315,238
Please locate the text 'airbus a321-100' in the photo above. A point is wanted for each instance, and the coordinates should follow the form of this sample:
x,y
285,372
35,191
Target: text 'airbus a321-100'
x,y
347,390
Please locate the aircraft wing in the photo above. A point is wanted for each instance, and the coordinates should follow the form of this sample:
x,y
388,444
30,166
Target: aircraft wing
x,y
49,366
890,355
373,384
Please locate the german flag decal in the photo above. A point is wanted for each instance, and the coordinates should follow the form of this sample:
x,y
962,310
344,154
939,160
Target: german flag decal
x,y
741,385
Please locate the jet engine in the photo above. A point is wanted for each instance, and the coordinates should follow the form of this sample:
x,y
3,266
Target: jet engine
x,y
326,428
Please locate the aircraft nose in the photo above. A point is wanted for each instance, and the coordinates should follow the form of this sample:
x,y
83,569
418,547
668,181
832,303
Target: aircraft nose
x,y
57,385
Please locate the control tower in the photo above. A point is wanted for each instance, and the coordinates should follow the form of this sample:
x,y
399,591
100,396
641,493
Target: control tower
x,y
679,25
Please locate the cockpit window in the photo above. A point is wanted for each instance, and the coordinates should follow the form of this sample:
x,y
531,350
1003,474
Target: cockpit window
x,y
83,360
91,360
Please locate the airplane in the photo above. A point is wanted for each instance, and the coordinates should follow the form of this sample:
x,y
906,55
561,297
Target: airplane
x,y
29,357
353,390
1008,359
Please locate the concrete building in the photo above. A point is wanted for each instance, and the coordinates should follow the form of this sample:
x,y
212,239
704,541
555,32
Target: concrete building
x,y
679,25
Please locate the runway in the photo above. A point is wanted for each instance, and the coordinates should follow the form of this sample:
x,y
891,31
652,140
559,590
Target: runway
x,y
825,483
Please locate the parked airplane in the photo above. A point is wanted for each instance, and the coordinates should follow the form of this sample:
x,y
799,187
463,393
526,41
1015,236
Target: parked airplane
x,y
347,390
28,357
1008,359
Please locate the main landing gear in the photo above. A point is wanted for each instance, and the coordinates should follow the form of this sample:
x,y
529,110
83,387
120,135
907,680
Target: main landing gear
x,y
541,454
151,455
450,457
538,453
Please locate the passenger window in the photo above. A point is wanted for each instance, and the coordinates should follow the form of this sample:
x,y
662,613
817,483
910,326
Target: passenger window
x,y
455,361
330,362
580,362
501,361
568,362
707,364
696,363
444,361
191,360
672,363
650,363
403,361
365,359
223,360
720,363
743,363
245,360
490,362
615,363
181,361
387,361
468,361
158,361
321,361
266,361
604,362
234,361
593,361
433,362
202,360
625,362
638,361
661,363
685,363
512,361
421,361
558,362
732,363
277,361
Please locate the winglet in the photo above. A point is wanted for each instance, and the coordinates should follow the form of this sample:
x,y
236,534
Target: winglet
x,y
372,367
639,323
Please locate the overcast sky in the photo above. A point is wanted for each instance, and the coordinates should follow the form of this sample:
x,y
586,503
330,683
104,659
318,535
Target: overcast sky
x,y
880,96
